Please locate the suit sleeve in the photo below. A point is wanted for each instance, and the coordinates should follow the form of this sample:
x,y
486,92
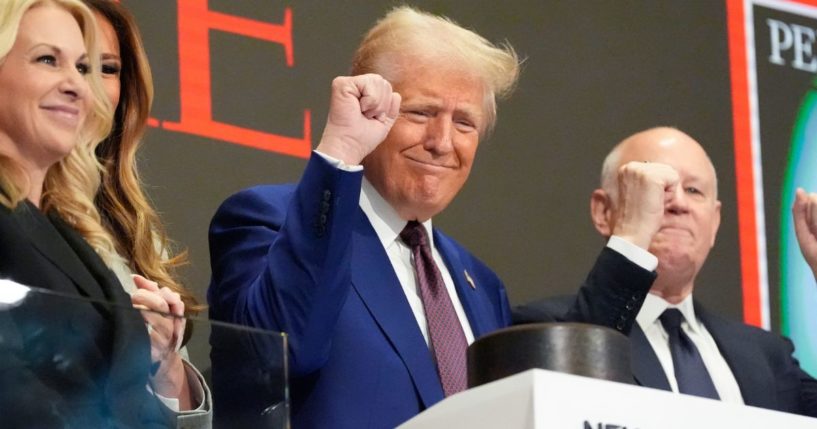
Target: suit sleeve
x,y
613,293
280,259
611,296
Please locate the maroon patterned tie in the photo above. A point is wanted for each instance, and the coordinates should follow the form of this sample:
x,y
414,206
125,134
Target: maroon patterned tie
x,y
447,337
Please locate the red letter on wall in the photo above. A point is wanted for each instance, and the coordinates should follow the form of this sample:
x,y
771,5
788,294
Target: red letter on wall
x,y
196,116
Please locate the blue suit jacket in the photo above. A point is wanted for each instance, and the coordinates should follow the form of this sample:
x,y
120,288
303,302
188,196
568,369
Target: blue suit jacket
x,y
305,260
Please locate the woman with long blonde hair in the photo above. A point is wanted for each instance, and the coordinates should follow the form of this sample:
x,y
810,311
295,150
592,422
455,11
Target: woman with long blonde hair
x,y
63,362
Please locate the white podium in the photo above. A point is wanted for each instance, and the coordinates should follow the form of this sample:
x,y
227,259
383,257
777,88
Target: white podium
x,y
538,399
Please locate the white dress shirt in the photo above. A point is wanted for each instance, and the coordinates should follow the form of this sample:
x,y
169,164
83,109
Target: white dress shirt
x,y
388,225
648,320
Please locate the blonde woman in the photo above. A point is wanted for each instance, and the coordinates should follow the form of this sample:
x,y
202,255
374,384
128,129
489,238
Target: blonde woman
x,y
62,363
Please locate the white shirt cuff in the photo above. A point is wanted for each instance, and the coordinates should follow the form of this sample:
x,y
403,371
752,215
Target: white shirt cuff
x,y
171,403
635,254
338,163
196,392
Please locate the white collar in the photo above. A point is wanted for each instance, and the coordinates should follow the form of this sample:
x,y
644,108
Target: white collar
x,y
654,306
386,222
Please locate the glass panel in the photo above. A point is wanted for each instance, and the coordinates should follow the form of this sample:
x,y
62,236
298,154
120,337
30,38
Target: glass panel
x,y
69,361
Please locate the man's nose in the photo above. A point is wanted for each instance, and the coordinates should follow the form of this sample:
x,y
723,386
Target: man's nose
x,y
440,134
679,203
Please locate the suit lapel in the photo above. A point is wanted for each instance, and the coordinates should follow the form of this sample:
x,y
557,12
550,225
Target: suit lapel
x,y
378,287
469,295
742,356
111,289
647,369
47,240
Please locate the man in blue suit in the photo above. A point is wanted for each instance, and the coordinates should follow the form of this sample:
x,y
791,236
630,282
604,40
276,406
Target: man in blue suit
x,y
324,261
659,196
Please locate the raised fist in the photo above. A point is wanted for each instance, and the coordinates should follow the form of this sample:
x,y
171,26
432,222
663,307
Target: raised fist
x,y
362,110
644,190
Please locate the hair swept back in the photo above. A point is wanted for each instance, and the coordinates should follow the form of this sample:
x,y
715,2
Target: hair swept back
x,y
406,37
126,213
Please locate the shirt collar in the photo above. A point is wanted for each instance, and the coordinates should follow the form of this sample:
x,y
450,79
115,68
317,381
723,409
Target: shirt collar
x,y
386,222
654,306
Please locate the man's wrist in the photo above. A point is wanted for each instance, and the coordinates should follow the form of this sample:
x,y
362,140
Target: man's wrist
x,y
337,163
344,149
636,254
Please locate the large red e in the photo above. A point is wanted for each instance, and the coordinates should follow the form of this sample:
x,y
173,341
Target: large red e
x,y
196,115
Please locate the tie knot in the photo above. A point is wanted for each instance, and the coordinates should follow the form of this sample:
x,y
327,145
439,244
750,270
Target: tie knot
x,y
671,319
414,234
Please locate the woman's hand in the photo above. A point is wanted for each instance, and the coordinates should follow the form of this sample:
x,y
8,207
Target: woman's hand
x,y
165,323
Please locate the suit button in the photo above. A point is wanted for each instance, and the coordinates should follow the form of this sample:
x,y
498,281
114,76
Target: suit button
x,y
629,306
325,206
327,195
620,325
323,220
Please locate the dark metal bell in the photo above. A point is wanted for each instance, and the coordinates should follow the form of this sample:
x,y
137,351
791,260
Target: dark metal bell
x,y
573,348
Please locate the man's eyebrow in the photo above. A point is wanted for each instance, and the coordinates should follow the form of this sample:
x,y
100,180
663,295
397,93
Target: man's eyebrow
x,y
469,111
473,113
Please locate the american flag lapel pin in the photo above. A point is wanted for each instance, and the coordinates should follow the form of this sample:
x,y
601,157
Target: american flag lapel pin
x,y
469,280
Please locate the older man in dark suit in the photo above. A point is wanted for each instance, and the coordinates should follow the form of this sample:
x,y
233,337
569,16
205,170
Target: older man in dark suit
x,y
658,199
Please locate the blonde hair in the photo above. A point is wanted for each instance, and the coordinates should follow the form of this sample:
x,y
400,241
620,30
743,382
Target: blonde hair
x,y
56,189
406,37
131,225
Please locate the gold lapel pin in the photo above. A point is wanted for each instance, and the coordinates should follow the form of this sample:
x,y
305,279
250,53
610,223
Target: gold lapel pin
x,y
469,280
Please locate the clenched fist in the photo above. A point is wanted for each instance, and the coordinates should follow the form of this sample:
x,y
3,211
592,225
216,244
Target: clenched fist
x,y
644,189
362,110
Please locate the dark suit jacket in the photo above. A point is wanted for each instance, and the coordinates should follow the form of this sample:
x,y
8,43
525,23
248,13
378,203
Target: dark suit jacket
x,y
305,260
63,360
762,362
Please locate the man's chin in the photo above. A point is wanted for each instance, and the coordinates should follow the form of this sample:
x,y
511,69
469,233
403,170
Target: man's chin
x,y
672,260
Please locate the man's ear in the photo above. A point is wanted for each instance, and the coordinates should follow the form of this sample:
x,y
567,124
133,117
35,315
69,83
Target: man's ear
x,y
601,210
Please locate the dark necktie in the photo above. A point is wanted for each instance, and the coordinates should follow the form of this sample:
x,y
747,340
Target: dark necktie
x,y
690,371
444,329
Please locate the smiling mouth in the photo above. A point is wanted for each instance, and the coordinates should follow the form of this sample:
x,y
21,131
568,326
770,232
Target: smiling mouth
x,y
64,114
429,164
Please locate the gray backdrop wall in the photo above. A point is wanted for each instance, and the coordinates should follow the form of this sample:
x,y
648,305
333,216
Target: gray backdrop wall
x,y
595,72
